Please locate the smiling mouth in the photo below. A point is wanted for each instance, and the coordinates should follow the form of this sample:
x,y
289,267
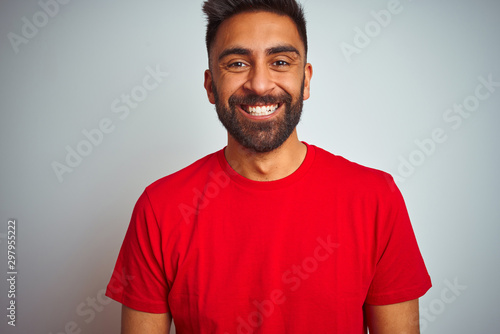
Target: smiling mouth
x,y
264,110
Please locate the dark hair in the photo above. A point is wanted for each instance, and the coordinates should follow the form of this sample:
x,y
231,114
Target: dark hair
x,y
217,11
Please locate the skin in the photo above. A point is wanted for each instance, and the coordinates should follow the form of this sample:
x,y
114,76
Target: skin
x,y
136,322
259,71
399,318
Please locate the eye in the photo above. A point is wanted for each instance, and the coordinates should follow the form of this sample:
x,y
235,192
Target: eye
x,y
281,63
237,64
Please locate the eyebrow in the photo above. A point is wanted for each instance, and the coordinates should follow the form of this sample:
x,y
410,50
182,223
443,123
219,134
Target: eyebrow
x,y
234,51
271,51
282,49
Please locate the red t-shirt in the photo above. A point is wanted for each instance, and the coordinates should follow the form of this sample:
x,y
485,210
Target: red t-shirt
x,y
303,254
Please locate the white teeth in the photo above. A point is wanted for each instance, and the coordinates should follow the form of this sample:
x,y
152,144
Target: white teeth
x,y
262,110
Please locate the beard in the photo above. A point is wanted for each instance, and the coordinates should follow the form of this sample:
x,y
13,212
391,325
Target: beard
x,y
260,136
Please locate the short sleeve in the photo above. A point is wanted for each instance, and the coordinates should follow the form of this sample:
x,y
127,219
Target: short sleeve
x,y
138,279
400,273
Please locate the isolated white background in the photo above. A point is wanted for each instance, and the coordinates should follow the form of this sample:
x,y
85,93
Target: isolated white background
x,y
370,110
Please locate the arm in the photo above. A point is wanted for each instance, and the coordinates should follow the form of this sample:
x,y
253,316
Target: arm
x,y
402,318
136,322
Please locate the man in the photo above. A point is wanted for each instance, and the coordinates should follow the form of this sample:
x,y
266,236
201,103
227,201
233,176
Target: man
x,y
270,234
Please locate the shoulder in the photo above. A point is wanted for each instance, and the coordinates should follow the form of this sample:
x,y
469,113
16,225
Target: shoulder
x,y
351,175
185,179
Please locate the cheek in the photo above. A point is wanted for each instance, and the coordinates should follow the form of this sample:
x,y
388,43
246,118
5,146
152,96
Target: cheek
x,y
291,83
224,96
232,84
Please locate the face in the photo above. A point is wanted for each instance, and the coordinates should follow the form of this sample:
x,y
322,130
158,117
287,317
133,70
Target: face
x,y
258,78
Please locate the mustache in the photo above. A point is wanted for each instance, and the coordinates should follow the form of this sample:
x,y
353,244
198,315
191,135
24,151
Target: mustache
x,y
253,99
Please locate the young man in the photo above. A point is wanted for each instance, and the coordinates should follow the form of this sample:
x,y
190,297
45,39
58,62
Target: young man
x,y
270,234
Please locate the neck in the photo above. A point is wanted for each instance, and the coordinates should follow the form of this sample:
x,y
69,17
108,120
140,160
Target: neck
x,y
269,166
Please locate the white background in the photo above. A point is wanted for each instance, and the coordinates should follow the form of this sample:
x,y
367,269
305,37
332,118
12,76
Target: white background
x,y
371,109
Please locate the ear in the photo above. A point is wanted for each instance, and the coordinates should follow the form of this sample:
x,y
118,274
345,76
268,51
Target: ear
x,y
208,86
308,72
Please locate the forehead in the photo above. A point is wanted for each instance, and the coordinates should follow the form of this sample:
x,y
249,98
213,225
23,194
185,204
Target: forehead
x,y
257,31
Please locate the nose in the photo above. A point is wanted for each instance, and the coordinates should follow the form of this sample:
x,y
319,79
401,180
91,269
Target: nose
x,y
260,80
